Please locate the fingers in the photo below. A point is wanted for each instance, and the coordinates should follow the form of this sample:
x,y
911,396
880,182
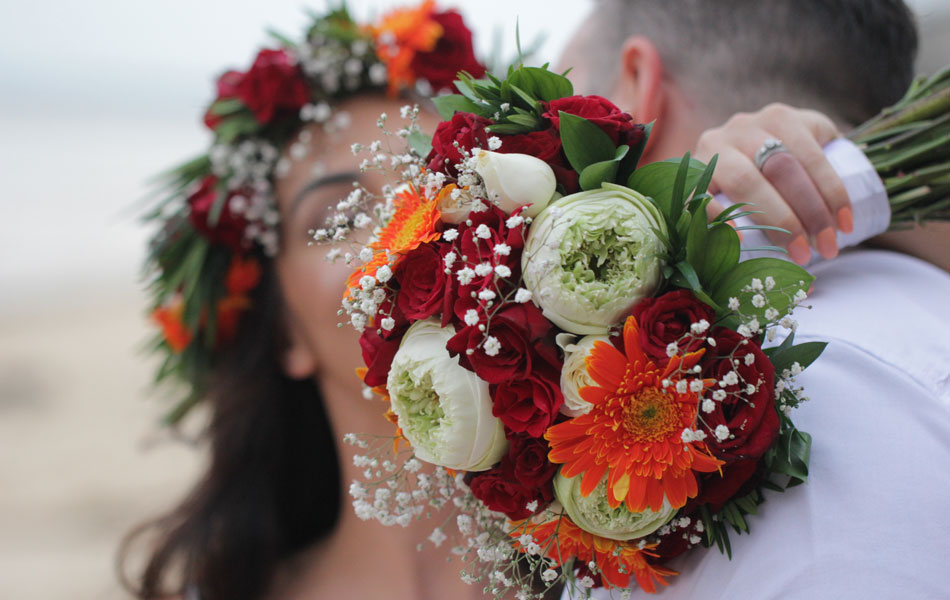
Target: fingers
x,y
788,177
807,196
806,144
738,178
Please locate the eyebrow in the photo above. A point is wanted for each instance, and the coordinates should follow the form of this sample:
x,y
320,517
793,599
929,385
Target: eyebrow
x,y
319,182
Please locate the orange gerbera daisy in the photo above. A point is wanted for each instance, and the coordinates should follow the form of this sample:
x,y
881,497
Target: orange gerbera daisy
x,y
169,317
633,432
616,561
353,281
401,34
413,223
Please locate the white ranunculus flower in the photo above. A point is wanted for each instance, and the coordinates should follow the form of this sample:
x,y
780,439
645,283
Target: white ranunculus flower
x,y
574,373
444,410
589,257
593,514
514,180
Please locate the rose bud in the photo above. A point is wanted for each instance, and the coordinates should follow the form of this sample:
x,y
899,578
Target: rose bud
x,y
514,180
574,375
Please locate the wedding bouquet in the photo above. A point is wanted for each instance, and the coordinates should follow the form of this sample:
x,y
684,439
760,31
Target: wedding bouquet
x,y
567,338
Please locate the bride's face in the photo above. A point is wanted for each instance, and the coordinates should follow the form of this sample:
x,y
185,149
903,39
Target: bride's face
x,y
312,287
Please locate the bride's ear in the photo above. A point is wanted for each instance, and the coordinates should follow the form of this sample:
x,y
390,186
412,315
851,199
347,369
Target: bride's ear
x,y
640,88
297,359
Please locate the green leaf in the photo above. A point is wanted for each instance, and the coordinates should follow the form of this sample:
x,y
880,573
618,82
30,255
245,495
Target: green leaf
x,y
789,278
420,143
656,180
506,129
786,344
595,174
720,254
793,451
527,121
804,354
226,106
541,84
584,143
703,184
462,85
696,239
629,164
235,126
691,279
450,104
679,194
729,212
525,97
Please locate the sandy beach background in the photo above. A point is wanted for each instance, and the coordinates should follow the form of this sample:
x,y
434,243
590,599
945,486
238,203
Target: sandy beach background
x,y
94,98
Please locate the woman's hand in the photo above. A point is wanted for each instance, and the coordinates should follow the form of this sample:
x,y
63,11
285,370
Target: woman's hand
x,y
797,190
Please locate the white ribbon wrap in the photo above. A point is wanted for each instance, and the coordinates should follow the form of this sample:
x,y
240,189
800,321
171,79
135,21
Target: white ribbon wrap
x,y
872,212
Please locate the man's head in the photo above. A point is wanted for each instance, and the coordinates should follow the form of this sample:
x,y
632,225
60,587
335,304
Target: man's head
x,y
847,58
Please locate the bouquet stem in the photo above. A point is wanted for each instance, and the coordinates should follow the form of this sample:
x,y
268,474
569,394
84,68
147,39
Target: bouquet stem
x,y
909,146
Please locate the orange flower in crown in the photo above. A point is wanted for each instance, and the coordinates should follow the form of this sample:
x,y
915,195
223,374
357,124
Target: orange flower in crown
x,y
423,44
635,433
169,317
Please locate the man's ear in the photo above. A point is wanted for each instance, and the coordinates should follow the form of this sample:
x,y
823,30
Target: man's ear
x,y
640,88
297,359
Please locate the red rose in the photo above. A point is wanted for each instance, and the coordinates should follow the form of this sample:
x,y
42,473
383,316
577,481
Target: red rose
x,y
227,88
422,281
528,457
600,111
667,319
523,476
465,297
529,404
519,329
751,418
717,490
499,492
378,356
273,84
467,129
452,53
230,226
545,145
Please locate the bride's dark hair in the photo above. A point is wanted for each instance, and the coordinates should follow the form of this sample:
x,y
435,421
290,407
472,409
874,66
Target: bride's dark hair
x,y
272,485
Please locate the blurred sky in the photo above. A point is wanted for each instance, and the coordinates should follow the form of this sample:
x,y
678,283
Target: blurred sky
x,y
95,96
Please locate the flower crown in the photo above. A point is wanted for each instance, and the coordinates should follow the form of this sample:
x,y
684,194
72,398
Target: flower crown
x,y
217,213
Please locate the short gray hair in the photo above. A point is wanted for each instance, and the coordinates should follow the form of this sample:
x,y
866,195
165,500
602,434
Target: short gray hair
x,y
849,58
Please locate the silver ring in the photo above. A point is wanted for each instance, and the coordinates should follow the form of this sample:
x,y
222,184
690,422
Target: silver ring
x,y
769,147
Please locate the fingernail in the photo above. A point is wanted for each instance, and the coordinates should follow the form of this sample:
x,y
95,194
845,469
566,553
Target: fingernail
x,y
827,243
799,250
846,219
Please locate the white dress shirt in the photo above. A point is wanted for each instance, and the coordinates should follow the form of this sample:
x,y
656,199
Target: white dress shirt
x,y
873,520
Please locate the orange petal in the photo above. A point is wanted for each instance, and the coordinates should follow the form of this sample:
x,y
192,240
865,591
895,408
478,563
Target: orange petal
x,y
631,341
606,365
592,477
